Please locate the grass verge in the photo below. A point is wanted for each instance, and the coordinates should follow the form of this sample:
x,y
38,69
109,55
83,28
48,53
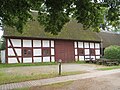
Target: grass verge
x,y
34,64
110,68
26,88
13,78
80,62
26,64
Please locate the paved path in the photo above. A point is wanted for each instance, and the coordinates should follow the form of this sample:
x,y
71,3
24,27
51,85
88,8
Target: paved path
x,y
57,79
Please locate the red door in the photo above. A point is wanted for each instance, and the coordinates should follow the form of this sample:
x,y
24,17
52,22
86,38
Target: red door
x,y
64,50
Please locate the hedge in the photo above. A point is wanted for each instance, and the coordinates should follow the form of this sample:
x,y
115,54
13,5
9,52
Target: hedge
x,y
112,52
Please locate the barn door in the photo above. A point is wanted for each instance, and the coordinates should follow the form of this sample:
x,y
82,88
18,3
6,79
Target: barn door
x,y
64,50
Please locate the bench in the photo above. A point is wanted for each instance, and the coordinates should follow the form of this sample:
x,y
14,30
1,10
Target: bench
x,y
101,61
107,62
110,63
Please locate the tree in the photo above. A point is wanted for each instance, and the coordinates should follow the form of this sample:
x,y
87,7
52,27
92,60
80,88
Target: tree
x,y
53,14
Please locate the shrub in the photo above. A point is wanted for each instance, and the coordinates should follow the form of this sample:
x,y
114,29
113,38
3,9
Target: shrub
x,y
112,52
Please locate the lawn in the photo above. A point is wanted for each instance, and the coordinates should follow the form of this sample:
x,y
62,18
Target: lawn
x,y
34,64
12,73
26,64
12,78
110,68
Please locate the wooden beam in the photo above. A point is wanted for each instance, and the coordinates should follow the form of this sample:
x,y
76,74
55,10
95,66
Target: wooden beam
x,y
32,51
6,51
22,50
14,51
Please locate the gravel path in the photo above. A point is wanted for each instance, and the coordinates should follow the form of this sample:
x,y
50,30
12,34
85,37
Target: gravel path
x,y
108,82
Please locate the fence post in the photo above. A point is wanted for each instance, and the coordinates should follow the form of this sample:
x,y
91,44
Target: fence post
x,y
59,66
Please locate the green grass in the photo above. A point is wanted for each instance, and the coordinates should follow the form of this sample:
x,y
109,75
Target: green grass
x,y
110,68
26,64
7,78
72,73
80,62
26,88
34,64
13,78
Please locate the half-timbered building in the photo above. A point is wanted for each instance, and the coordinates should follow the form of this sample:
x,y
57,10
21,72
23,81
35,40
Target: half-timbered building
x,y
34,45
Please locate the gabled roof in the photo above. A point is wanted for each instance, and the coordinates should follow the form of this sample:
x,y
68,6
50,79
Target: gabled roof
x,y
109,39
72,31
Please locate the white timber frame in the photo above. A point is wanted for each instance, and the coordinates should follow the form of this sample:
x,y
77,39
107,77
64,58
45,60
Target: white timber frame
x,y
86,50
20,50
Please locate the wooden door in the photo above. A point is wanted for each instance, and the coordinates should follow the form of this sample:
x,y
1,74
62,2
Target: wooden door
x,y
64,50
